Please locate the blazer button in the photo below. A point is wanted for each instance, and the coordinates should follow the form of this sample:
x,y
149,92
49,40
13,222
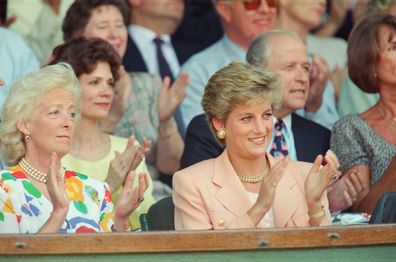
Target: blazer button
x,y
221,222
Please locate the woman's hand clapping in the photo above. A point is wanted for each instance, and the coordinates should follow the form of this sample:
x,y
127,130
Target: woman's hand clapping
x,y
56,186
170,97
129,200
124,162
320,178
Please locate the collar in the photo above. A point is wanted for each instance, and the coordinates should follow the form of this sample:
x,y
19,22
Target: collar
x,y
145,34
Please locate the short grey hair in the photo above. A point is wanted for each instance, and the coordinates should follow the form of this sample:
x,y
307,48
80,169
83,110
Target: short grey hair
x,y
23,100
260,48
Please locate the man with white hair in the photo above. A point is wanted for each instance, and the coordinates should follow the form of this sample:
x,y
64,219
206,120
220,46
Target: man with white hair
x,y
242,20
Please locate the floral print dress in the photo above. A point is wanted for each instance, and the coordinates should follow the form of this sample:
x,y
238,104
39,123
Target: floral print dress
x,y
23,209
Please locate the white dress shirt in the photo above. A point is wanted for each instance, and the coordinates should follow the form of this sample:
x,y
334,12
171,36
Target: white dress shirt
x,y
143,37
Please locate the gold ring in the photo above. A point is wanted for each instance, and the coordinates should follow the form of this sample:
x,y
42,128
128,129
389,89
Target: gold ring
x,y
354,200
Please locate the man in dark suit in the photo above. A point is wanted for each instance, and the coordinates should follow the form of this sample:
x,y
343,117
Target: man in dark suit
x,y
285,53
152,24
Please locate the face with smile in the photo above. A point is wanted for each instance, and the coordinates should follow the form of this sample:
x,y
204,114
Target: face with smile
x,y
243,25
288,57
97,92
106,22
248,129
51,125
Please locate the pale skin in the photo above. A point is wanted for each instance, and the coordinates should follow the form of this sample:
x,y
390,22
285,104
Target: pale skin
x,y
106,22
292,16
248,131
50,129
241,25
384,126
288,58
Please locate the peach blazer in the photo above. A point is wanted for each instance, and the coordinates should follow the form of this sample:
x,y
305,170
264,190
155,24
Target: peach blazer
x,y
209,195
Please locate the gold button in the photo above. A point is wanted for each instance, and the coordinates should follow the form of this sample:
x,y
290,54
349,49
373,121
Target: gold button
x,y
221,222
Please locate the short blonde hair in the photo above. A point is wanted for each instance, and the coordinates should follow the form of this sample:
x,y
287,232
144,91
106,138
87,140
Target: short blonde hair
x,y
23,100
239,83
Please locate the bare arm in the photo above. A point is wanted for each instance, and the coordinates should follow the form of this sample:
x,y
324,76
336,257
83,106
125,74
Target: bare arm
x,y
386,183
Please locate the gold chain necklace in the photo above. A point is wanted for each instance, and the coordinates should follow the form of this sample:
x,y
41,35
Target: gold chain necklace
x,y
32,172
254,179
391,121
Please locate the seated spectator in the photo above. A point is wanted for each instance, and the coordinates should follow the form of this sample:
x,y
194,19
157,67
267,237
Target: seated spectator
x,y
365,143
282,52
352,99
36,194
16,60
237,189
141,107
330,51
93,152
241,24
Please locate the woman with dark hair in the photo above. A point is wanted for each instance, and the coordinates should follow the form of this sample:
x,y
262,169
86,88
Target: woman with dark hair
x,y
365,143
93,152
141,106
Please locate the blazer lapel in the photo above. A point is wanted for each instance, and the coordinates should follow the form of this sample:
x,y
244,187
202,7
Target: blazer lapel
x,y
231,194
287,198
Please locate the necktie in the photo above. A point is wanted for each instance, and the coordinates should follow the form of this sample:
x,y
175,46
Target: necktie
x,y
279,147
163,65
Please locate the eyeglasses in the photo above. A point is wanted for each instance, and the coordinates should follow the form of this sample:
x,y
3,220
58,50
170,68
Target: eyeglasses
x,y
255,4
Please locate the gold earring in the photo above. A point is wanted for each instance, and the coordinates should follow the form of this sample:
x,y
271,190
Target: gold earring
x,y
27,138
221,134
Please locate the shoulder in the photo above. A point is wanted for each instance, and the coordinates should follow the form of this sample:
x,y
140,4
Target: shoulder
x,y
348,122
197,123
198,172
11,174
81,181
204,56
298,121
10,38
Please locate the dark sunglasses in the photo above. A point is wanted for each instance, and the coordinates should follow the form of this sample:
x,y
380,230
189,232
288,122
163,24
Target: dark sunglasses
x,y
255,4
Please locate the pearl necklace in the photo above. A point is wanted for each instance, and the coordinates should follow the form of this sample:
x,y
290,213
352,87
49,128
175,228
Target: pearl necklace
x,y
32,172
254,179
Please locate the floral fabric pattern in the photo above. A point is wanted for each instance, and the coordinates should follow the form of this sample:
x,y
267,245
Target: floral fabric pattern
x,y
23,208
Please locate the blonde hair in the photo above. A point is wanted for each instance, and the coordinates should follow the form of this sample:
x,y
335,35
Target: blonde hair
x,y
239,83
23,100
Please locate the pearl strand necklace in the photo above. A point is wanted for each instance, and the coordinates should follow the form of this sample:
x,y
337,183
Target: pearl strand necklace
x,y
32,172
